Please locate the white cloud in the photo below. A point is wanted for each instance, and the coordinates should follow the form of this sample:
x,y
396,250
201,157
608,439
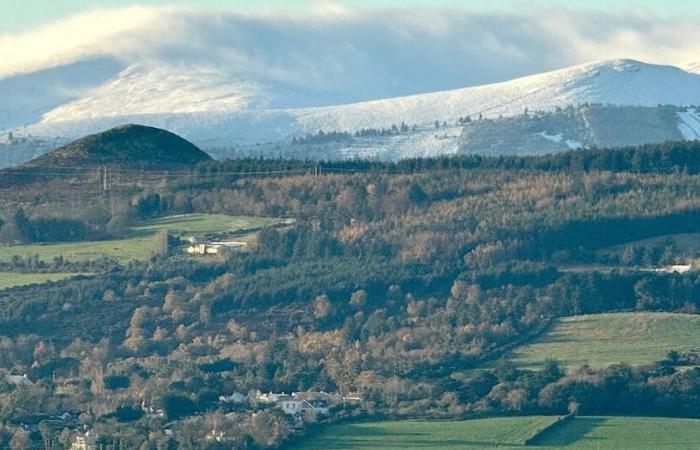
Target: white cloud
x,y
331,54
70,39
329,8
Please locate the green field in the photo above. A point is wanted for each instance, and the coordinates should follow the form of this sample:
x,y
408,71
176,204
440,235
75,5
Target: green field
x,y
603,339
509,433
622,433
195,225
139,245
11,279
506,432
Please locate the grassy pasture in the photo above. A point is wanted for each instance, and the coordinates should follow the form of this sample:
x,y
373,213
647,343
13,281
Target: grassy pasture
x,y
509,433
623,433
139,244
11,279
603,339
506,432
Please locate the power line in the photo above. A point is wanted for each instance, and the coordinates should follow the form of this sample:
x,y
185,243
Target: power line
x,y
110,177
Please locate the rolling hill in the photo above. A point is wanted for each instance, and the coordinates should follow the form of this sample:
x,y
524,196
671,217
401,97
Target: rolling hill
x,y
126,145
108,161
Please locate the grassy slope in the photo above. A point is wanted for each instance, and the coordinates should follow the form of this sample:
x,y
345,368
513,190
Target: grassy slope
x,y
507,432
10,279
603,339
623,433
140,244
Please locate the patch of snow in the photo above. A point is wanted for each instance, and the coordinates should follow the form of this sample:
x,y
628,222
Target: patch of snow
x,y
556,138
424,142
158,90
573,145
559,138
214,110
689,124
692,67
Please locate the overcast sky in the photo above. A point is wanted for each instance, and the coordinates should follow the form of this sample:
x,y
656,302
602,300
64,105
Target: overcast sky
x,y
348,51
23,15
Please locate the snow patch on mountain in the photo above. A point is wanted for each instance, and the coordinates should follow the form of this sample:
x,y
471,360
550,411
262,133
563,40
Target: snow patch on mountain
x,y
217,111
160,90
203,99
618,82
573,144
556,138
692,67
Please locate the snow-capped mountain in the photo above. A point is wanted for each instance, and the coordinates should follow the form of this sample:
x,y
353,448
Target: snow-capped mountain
x,y
692,67
214,109
617,82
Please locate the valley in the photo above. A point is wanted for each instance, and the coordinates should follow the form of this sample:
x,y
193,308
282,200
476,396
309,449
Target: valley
x,y
349,224
382,292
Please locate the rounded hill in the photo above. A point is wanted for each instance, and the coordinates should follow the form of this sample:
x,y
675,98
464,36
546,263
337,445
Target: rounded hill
x,y
125,145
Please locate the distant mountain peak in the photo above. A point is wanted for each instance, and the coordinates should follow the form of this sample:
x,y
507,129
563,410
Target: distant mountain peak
x,y
237,117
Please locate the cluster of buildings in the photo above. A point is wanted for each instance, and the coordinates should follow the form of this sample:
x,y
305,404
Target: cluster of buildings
x,y
295,404
298,405
213,248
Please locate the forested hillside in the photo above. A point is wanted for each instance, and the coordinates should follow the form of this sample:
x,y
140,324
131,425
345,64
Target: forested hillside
x,y
400,284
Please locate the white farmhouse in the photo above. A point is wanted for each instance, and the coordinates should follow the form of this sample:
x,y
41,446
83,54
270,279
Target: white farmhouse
x,y
272,397
214,248
298,407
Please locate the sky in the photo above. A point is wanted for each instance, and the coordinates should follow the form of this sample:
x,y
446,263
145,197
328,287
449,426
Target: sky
x,y
20,16
323,52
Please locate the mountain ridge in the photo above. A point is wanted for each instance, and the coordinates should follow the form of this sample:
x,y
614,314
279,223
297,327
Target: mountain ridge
x,y
233,116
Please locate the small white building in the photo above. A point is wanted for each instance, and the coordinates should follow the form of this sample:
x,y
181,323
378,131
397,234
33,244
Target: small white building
x,y
150,410
298,407
675,268
234,398
214,248
272,397
316,396
18,380
680,268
